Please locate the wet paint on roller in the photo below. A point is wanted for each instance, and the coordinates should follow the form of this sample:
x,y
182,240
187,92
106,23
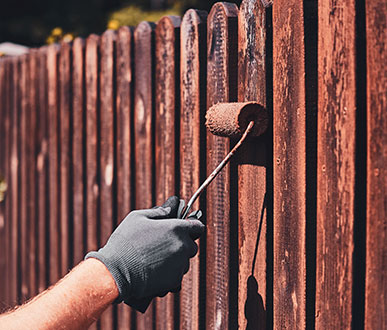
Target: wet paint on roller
x,y
65,154
124,157
252,163
92,124
221,32
335,164
78,150
289,168
53,161
143,131
167,53
192,147
106,145
376,272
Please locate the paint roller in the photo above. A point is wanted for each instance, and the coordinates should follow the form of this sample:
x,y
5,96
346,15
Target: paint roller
x,y
231,120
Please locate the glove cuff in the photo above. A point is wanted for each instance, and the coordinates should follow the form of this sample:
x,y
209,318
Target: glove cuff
x,y
127,271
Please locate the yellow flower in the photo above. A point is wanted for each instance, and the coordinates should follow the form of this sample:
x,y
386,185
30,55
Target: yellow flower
x,y
68,37
57,32
113,24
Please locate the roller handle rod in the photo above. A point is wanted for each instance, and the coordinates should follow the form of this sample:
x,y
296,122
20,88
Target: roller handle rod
x,y
217,170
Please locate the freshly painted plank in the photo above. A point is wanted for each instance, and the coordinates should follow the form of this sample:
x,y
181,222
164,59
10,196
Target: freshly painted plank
x,y
42,172
221,87
167,53
24,177
252,163
124,156
64,81
335,164
92,133
106,144
31,165
192,148
289,172
143,130
78,150
53,161
376,270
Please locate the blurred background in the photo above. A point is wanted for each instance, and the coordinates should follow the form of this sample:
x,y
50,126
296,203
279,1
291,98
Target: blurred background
x,y
34,23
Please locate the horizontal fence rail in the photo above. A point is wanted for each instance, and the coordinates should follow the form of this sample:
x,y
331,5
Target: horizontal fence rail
x,y
296,224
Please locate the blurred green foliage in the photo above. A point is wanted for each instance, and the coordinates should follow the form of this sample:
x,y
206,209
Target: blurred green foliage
x,y
34,23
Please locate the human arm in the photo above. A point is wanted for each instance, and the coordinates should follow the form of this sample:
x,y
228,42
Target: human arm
x,y
74,302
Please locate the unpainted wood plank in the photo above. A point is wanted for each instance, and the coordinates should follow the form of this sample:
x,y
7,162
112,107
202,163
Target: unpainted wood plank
x,y
124,157
376,270
64,81
42,171
53,161
143,130
106,145
192,147
78,150
252,163
92,134
335,164
221,87
167,53
14,182
24,177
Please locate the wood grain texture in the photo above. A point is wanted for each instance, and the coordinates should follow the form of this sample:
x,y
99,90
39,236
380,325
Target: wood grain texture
x,y
221,87
376,270
53,152
78,150
167,53
252,164
31,164
143,130
289,172
42,171
65,154
192,148
335,164
106,145
124,157
92,150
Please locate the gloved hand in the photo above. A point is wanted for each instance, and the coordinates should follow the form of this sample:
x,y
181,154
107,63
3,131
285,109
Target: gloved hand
x,y
149,252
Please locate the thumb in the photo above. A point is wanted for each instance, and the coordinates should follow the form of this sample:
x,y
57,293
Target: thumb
x,y
195,228
172,202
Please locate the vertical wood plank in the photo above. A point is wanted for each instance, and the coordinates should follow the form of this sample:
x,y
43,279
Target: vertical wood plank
x,y
92,134
24,177
167,85
192,147
78,150
3,160
335,164
31,165
53,152
106,144
289,172
376,272
124,157
143,130
221,87
65,154
42,172
252,163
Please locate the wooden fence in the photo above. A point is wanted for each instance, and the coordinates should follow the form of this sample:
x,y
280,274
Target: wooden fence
x,y
296,225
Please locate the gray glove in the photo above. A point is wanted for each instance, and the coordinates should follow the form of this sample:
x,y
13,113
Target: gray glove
x,y
149,252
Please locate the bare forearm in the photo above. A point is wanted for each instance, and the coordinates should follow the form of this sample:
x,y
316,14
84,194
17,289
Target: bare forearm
x,y
73,303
